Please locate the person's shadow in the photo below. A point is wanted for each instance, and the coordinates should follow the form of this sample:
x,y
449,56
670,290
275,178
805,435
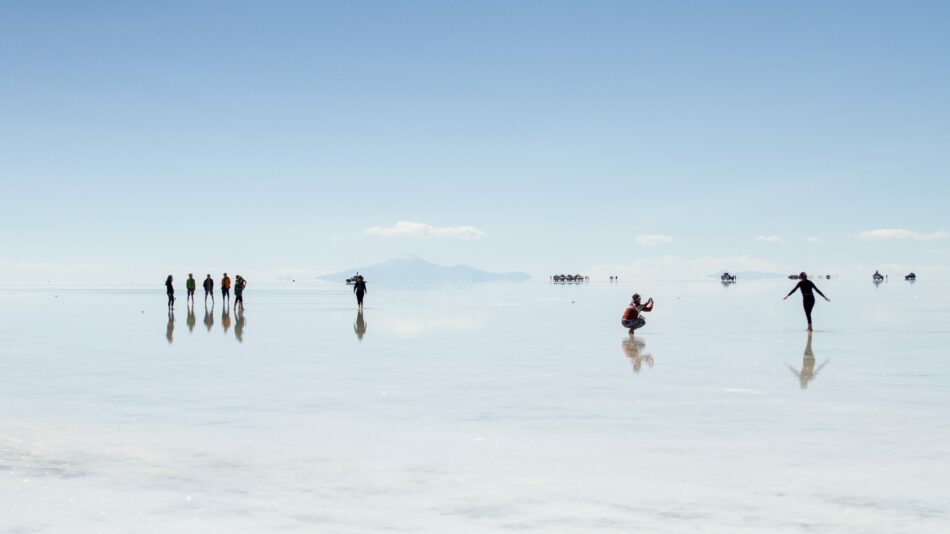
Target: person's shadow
x,y
359,326
191,319
226,319
808,372
239,325
633,349
170,328
209,319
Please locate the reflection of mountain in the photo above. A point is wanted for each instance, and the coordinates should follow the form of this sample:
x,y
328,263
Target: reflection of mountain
x,y
415,269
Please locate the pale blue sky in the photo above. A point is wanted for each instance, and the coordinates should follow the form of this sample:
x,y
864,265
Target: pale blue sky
x,y
261,137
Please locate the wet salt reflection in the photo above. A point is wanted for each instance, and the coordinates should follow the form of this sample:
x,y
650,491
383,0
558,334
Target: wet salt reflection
x,y
359,326
633,349
239,326
808,371
461,415
170,327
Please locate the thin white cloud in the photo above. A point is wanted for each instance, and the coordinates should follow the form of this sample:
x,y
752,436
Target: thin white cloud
x,y
652,240
768,238
899,233
813,239
422,230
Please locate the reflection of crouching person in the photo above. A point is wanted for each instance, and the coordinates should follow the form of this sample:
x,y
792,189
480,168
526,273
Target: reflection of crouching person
x,y
631,316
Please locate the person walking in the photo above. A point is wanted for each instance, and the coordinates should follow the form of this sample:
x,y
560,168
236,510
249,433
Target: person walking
x,y
808,297
208,284
631,316
226,290
190,287
239,284
170,291
359,287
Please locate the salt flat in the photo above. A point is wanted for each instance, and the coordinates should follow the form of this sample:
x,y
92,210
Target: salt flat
x,y
494,407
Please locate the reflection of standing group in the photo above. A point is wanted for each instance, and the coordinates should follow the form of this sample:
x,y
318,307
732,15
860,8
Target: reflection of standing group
x,y
239,322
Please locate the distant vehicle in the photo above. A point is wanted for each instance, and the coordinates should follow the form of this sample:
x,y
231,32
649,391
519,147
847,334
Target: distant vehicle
x,y
569,278
877,277
727,278
352,280
910,277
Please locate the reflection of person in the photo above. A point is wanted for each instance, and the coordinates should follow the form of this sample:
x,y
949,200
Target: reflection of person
x,y
808,372
191,319
359,326
631,316
808,298
631,348
225,319
209,320
359,287
239,323
170,291
208,284
170,328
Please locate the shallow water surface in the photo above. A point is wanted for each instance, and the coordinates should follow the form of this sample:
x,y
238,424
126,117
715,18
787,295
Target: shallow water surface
x,y
476,408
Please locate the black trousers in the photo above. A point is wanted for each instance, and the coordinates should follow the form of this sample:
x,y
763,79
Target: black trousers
x,y
808,301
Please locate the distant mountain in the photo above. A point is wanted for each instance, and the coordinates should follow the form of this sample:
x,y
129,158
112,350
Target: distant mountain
x,y
412,268
750,275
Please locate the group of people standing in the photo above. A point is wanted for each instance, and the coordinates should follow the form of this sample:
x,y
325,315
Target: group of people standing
x,y
240,283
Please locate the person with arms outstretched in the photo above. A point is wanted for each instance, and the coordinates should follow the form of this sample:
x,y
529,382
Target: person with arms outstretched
x,y
808,297
631,316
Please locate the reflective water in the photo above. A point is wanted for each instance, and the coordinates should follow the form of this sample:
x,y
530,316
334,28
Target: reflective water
x,y
477,408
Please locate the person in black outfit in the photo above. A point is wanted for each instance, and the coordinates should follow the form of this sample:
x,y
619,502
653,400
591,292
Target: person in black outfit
x,y
808,298
359,287
209,290
170,291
